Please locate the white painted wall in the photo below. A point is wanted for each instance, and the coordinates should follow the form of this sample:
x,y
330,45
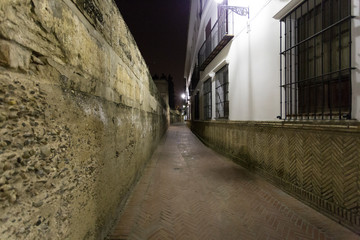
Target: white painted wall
x,y
254,60
254,65
356,60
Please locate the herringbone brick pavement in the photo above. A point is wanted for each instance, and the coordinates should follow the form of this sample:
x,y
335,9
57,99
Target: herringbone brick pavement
x,y
190,192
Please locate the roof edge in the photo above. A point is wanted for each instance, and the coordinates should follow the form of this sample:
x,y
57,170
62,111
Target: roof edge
x,y
288,8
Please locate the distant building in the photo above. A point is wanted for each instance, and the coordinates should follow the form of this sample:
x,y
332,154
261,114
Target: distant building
x,y
171,92
163,87
166,87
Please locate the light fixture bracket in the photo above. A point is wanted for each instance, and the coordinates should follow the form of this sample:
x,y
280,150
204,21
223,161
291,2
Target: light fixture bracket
x,y
242,11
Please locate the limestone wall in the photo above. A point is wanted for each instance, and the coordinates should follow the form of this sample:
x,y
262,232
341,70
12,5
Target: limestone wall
x,y
175,116
319,163
79,117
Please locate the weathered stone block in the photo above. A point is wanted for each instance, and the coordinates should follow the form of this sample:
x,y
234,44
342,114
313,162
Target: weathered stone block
x,y
14,56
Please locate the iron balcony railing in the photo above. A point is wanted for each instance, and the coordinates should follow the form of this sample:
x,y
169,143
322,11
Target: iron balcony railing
x,y
194,79
221,34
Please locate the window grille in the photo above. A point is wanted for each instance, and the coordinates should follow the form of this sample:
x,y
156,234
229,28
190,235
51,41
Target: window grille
x,y
222,93
196,115
207,99
316,61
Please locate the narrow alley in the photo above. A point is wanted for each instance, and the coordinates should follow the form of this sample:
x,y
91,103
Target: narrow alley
x,y
93,143
188,191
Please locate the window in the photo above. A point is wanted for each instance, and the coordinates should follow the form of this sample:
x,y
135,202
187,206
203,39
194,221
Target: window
x,y
207,99
316,62
222,93
196,115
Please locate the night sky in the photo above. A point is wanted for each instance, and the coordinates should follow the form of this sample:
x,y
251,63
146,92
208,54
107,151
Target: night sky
x,y
160,31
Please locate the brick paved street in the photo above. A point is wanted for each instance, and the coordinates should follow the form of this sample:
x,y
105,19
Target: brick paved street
x,y
190,192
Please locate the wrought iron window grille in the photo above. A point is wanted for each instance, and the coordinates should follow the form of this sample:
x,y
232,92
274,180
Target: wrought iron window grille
x,y
222,93
315,80
196,109
207,100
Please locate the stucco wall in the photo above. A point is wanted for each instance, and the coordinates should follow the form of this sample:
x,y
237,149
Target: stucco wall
x,y
254,64
79,117
317,163
253,56
356,59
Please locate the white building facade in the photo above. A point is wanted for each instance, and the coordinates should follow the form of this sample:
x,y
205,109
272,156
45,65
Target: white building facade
x,y
285,59
276,87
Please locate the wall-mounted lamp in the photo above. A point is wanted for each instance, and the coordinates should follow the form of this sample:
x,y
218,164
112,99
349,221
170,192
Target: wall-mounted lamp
x,y
242,11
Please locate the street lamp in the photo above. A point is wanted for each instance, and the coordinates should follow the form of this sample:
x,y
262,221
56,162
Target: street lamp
x,y
183,96
242,11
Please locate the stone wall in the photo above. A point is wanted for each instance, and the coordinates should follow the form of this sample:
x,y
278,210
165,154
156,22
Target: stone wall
x,y
79,117
175,116
319,163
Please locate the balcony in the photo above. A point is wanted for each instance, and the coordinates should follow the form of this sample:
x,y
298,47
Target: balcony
x,y
215,42
194,79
